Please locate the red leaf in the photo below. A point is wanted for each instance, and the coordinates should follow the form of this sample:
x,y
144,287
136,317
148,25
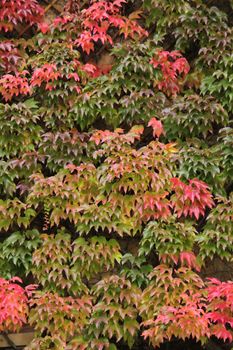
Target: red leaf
x,y
221,332
189,259
156,126
174,68
44,27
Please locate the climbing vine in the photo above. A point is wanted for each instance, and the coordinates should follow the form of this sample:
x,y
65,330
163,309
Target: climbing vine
x,y
116,145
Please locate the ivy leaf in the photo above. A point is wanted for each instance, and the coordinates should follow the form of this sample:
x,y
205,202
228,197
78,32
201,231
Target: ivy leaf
x,y
156,126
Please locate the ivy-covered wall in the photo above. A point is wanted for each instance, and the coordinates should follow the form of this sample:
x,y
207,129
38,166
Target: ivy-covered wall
x,y
116,173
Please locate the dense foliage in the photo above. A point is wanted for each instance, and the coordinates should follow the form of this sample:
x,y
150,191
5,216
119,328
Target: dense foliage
x,y
116,163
